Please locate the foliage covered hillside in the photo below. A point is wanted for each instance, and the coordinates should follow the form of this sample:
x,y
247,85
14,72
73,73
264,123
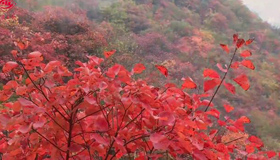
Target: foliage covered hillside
x,y
184,36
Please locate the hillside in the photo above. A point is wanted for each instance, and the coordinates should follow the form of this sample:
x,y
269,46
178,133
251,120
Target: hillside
x,y
182,35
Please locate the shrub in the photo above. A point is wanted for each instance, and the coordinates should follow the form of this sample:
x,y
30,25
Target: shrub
x,y
97,113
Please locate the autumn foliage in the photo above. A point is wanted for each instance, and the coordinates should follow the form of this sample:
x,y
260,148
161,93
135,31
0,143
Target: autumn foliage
x,y
52,112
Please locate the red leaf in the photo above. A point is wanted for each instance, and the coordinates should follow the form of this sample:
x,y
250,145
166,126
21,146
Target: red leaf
x,y
99,139
210,73
248,64
232,128
139,68
214,112
225,47
107,54
210,84
235,65
14,53
120,154
113,71
51,65
270,154
24,129
166,118
188,83
159,141
162,69
228,108
221,68
213,133
35,54
26,103
222,123
250,148
9,66
256,140
124,76
95,59
21,90
244,119
16,107
235,38
21,45
197,154
246,53
198,144
249,41
38,124
243,81
240,43
229,87
141,157
101,124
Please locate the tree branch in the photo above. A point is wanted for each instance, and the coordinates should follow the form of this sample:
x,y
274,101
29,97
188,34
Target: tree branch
x,y
134,118
234,140
221,80
90,114
48,140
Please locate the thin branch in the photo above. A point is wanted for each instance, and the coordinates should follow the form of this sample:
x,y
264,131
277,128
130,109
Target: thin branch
x,y
116,134
134,118
130,141
71,125
55,121
32,80
92,132
60,113
219,130
64,109
134,139
172,127
48,140
40,90
83,137
234,140
221,81
111,145
81,150
90,114
46,114
69,135
125,111
102,108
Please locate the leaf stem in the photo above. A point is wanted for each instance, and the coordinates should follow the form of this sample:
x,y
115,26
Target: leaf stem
x,y
221,80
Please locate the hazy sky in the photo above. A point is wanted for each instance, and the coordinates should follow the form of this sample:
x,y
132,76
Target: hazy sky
x,y
268,10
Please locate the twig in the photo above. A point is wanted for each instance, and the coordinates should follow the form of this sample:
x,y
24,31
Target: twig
x,y
48,140
32,80
90,114
234,140
221,80
134,118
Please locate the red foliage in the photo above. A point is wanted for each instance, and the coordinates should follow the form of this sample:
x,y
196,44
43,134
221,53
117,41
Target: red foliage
x,y
96,114
58,33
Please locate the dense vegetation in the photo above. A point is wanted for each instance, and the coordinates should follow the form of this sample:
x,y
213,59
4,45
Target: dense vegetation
x,y
183,36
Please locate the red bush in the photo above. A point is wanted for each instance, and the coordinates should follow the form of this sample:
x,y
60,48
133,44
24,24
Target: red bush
x,y
52,113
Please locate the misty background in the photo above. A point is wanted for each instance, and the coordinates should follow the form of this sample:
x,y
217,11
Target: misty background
x,y
268,10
